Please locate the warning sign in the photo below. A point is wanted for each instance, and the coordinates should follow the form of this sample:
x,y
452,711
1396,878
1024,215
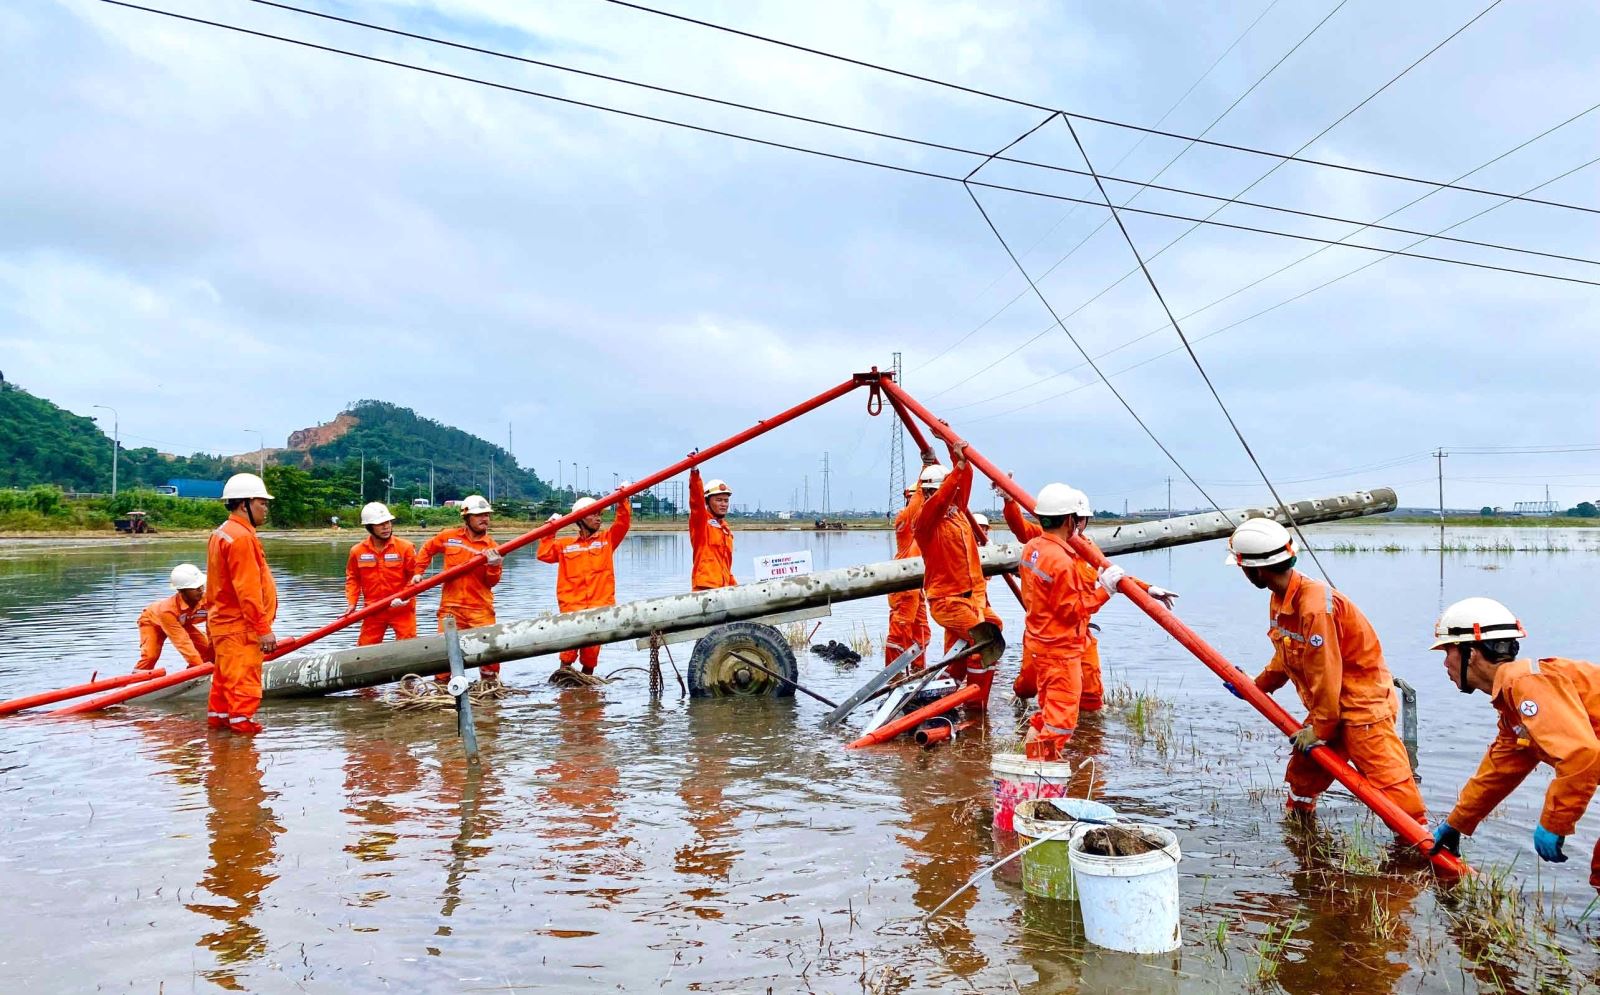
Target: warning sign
x,y
783,565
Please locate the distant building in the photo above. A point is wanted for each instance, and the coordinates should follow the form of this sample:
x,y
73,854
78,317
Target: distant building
x,y
190,488
1536,509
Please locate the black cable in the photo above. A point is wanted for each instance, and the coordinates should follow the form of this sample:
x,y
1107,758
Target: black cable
x,y
1248,318
704,129
890,136
1086,117
1087,358
1133,247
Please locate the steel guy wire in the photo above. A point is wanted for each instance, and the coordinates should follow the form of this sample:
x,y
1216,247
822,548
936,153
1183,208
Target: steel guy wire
x,y
1258,180
905,139
1109,385
1084,117
856,160
1133,247
1251,317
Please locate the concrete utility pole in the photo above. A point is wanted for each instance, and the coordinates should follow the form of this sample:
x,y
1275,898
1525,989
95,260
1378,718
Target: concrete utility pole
x,y
325,671
261,450
1169,497
116,442
361,485
1438,456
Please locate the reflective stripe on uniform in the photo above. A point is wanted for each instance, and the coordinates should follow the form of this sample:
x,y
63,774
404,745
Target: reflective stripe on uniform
x,y
1058,730
1278,630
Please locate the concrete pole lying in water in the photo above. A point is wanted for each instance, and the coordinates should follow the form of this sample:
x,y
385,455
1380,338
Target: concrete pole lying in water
x,y
366,666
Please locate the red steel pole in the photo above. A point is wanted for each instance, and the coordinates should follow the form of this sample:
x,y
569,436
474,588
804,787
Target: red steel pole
x,y
146,687
1403,825
79,690
953,700
289,645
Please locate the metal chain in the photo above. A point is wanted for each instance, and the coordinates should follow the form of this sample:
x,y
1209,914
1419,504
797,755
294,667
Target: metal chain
x,y
655,665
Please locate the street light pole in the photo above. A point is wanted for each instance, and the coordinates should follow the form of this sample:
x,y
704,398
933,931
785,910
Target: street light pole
x,y
116,442
362,484
261,450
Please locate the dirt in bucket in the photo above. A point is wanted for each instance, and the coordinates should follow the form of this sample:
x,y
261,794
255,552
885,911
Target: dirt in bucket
x,y
1046,812
1119,841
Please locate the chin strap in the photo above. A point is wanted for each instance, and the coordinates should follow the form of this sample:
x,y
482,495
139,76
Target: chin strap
x,y
1461,678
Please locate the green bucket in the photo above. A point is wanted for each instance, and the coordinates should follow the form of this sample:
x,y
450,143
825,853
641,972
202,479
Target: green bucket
x,y
1046,869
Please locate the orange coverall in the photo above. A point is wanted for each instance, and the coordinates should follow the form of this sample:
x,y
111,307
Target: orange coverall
x,y
952,575
710,539
908,610
1549,713
469,599
1327,648
586,575
378,574
1061,592
242,604
172,618
1092,698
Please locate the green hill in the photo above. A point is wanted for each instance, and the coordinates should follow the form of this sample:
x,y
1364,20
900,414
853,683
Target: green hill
x,y
41,443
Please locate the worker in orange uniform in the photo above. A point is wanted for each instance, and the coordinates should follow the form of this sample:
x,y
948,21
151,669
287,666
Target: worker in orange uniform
x,y
952,575
1091,697
379,568
469,598
709,535
1324,646
1549,713
176,619
242,604
908,610
586,575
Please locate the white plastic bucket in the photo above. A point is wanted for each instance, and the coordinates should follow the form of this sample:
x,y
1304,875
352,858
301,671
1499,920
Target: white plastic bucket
x,y
1016,778
1046,868
1129,903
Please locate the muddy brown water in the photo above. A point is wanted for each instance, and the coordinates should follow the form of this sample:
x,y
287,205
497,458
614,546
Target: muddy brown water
x,y
613,842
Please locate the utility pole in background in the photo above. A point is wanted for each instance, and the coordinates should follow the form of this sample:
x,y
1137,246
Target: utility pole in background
x,y
261,451
805,491
116,442
825,495
897,450
1169,497
1439,455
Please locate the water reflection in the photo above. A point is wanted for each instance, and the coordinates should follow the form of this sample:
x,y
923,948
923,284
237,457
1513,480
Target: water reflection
x,y
380,776
242,831
582,788
476,793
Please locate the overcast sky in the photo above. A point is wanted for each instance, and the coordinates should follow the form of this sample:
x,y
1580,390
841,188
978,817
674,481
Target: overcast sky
x,y
214,232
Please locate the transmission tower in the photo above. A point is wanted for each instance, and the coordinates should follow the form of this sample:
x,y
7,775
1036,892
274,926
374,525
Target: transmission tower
x,y
897,452
825,508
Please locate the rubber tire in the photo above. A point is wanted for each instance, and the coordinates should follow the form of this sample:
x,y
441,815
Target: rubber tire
x,y
711,667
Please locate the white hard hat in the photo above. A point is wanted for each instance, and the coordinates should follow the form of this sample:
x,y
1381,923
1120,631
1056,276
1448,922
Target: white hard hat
x,y
474,504
581,504
186,577
1475,620
932,476
715,487
981,519
910,489
375,513
244,485
1058,500
1259,542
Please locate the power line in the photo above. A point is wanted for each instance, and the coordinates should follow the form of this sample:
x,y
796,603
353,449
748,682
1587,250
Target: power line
x,y
1082,117
1290,300
1116,215
856,160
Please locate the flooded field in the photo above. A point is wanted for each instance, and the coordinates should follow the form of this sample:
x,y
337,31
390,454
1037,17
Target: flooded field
x,y
612,842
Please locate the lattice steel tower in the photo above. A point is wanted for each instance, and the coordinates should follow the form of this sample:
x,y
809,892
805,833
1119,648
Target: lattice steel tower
x,y
897,451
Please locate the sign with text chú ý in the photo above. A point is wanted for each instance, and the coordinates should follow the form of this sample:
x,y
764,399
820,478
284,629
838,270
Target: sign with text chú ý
x,y
783,565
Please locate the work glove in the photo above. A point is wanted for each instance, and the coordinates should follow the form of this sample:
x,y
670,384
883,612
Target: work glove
x,y
1447,838
554,518
398,603
1548,845
1232,690
1163,595
624,485
492,557
1111,576
1304,738
416,579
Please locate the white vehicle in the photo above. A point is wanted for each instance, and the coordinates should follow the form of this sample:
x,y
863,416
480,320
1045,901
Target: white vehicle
x,y
421,503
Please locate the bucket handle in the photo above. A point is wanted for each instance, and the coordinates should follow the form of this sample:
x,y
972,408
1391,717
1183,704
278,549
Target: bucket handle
x,y
985,872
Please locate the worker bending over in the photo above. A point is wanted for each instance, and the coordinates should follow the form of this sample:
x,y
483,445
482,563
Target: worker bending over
x,y
586,575
242,605
1324,646
709,535
379,568
177,618
952,576
1549,713
469,598
908,610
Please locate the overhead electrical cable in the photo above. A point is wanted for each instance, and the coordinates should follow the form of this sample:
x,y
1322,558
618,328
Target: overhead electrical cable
x,y
770,143
1252,185
1083,117
1116,215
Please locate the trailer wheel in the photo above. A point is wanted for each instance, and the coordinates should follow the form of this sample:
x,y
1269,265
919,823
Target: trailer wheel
x,y
715,670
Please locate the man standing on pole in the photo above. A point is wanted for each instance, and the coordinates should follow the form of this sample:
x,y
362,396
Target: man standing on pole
x,y
586,575
242,603
1325,647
